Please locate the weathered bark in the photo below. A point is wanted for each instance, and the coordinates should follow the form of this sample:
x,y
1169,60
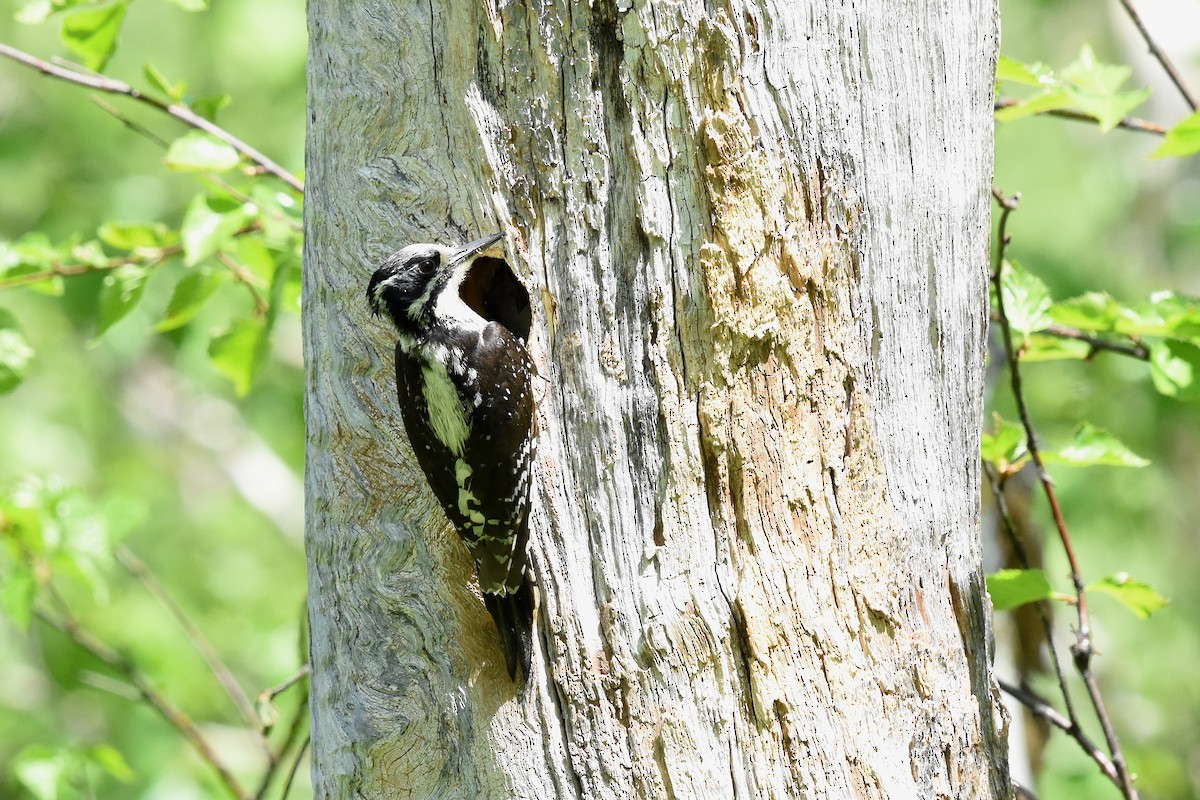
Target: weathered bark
x,y
755,236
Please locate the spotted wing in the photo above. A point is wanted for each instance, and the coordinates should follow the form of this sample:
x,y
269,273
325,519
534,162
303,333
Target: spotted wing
x,y
484,486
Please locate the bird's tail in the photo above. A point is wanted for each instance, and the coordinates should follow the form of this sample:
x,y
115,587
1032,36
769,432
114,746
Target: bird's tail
x,y
513,614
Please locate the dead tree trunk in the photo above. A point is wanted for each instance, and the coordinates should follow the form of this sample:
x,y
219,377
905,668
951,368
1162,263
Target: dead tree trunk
x,y
755,235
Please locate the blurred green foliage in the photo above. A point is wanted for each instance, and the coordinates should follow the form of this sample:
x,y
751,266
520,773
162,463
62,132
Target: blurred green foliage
x,y
159,418
1098,215
152,404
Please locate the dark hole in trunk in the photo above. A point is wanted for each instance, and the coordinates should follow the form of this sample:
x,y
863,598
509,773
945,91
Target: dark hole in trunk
x,y
493,292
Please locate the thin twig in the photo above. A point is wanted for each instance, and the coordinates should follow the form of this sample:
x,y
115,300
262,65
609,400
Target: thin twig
x,y
1136,350
216,180
180,112
138,569
247,279
58,270
1158,53
1129,123
148,258
149,692
287,786
1044,711
293,732
267,695
997,485
1082,649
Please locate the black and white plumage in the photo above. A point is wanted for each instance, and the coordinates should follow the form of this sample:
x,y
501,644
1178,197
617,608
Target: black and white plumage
x,y
463,379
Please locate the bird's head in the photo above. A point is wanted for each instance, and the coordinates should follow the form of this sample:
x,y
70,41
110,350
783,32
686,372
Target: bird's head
x,y
408,283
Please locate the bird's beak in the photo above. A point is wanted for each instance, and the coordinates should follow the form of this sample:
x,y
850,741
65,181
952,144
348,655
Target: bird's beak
x,y
472,248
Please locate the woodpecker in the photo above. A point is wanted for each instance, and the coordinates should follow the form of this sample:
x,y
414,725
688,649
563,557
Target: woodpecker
x,y
463,379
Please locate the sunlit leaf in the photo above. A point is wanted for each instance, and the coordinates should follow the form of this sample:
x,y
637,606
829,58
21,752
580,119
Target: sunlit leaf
x,y
1140,598
190,295
15,353
208,226
1165,314
1183,139
1038,104
119,293
109,759
32,254
17,593
1010,588
1094,311
1005,446
1094,88
1174,368
192,5
1009,69
1092,446
91,32
1026,299
173,91
240,352
35,12
40,770
209,105
197,151
131,235
1041,347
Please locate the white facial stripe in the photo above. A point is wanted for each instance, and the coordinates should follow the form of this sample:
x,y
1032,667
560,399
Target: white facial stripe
x,y
450,305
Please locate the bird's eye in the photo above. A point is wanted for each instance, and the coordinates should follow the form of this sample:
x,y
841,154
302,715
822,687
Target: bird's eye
x,y
427,265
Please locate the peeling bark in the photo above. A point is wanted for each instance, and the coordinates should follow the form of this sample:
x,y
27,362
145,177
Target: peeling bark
x,y
755,236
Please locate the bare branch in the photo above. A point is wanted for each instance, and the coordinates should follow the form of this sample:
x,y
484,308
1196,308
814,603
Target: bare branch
x,y
1158,53
1044,711
1136,350
1082,649
180,112
1129,123
997,486
138,569
149,692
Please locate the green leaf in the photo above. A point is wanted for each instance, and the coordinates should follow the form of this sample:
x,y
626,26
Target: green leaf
x,y
1010,588
1038,104
32,253
1174,367
197,151
15,353
109,759
1026,299
1092,446
1094,88
131,235
209,226
209,105
240,352
1041,347
1094,311
189,297
173,91
1164,314
119,293
1006,446
192,5
1140,598
91,32
41,770
34,12
1009,69
1183,139
18,593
